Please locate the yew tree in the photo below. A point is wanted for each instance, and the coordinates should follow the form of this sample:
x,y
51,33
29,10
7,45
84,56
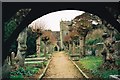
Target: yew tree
x,y
67,42
38,28
74,37
49,39
83,24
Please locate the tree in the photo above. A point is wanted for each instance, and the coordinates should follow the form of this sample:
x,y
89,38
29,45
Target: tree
x,y
67,41
37,27
31,42
12,24
83,24
49,39
109,46
74,37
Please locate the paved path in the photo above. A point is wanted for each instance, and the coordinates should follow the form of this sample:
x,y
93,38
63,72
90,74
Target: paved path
x,y
61,67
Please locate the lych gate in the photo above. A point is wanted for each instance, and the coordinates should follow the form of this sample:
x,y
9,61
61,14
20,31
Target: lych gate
x,y
34,14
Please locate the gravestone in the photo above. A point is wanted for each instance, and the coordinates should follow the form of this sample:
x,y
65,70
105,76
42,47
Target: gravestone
x,y
12,58
6,70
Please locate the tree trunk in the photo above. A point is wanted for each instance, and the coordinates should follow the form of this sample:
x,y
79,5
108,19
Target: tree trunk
x,y
73,49
38,46
84,46
45,50
81,47
69,47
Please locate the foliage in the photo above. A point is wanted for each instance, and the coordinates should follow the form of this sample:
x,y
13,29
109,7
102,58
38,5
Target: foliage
x,y
27,71
66,38
19,77
74,35
93,41
12,24
14,47
42,55
117,36
9,28
93,63
95,33
49,37
31,44
83,23
44,63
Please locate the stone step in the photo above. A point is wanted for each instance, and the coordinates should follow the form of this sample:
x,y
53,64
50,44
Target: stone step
x,y
75,58
36,59
74,55
33,62
31,56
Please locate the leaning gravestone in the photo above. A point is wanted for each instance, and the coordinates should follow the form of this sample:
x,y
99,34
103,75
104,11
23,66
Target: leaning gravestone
x,y
12,57
6,69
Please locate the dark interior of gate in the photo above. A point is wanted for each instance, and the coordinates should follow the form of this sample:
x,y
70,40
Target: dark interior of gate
x,y
108,12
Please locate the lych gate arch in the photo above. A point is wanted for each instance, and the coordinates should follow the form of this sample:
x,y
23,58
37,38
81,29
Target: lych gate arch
x,y
22,38
34,14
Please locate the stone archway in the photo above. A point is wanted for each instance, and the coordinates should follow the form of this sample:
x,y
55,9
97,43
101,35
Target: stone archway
x,y
56,48
36,13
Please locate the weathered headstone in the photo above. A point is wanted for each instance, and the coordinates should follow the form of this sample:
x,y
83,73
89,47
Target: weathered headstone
x,y
12,57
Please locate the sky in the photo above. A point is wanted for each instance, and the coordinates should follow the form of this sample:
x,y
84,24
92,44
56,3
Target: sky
x,y
52,20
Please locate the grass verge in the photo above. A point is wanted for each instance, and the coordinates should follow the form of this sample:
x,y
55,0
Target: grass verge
x,y
92,65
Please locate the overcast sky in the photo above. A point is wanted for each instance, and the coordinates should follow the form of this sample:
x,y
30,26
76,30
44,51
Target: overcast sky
x,y
52,20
